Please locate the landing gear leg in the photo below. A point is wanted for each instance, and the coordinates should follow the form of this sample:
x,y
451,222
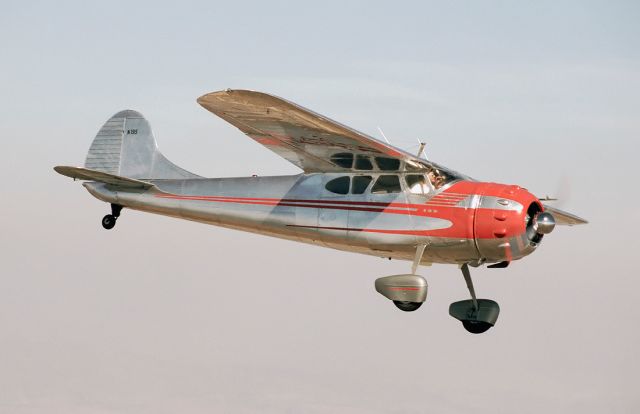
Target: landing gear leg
x,y
418,258
467,278
476,315
115,210
109,221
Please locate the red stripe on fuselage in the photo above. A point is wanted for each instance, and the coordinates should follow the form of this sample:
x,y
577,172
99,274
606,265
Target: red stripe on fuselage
x,y
461,218
292,200
275,203
441,206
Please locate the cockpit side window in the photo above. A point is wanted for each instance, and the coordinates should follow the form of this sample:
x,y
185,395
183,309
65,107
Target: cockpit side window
x,y
386,184
339,185
417,183
360,184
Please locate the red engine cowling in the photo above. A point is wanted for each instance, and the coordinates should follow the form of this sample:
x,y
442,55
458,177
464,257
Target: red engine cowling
x,y
503,222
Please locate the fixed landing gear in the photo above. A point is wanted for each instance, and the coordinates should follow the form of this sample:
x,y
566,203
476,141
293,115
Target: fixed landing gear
x,y
407,306
408,291
109,221
477,315
476,327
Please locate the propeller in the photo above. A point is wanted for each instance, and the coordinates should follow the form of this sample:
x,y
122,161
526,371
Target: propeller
x,y
561,217
544,223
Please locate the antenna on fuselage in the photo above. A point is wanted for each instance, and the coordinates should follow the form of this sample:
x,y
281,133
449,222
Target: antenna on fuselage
x,y
383,135
423,145
421,149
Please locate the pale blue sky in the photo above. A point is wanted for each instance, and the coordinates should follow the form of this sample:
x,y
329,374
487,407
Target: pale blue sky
x,y
140,320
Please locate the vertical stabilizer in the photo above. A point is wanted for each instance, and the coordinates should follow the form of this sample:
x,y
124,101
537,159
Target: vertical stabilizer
x,y
125,146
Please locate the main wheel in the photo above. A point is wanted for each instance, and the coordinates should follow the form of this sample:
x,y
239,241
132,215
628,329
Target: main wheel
x,y
108,221
407,306
476,327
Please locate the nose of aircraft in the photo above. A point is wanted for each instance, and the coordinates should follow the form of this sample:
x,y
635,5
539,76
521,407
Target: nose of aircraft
x,y
544,223
509,222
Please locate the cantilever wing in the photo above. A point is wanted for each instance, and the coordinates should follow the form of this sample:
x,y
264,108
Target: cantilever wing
x,y
309,140
563,218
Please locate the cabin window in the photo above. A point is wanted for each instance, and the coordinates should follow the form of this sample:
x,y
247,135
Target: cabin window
x,y
342,159
388,164
360,183
363,163
386,184
417,183
338,185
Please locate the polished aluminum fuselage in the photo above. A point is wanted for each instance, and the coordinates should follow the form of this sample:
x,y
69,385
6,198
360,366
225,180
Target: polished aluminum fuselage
x,y
299,208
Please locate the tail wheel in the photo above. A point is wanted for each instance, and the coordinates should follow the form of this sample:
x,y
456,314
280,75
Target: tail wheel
x,y
108,221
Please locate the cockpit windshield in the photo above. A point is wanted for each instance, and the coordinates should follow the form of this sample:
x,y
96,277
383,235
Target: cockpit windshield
x,y
439,178
436,180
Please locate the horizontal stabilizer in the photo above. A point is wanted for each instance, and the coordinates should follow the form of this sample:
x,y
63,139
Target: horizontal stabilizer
x,y
102,177
563,218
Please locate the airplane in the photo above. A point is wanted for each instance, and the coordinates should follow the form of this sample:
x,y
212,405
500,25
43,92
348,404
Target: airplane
x,y
355,193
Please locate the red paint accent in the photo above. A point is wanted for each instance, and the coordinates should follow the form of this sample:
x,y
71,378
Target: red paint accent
x,y
274,202
293,200
467,223
497,223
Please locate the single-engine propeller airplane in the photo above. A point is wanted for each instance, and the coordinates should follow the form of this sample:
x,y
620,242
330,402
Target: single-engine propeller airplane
x,y
355,193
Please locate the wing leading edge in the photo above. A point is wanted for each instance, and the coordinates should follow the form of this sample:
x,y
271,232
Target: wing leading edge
x,y
303,137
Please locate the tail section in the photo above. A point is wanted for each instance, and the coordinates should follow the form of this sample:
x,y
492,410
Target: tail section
x,y
125,147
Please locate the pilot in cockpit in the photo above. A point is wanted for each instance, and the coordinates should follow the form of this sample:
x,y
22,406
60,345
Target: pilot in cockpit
x,y
436,179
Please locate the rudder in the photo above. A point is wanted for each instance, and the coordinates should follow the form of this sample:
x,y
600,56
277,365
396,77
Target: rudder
x,y
125,146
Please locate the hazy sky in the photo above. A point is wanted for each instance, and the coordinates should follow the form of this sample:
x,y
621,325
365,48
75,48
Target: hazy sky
x,y
165,316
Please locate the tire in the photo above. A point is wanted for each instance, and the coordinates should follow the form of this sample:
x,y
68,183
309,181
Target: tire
x,y
108,221
407,306
476,327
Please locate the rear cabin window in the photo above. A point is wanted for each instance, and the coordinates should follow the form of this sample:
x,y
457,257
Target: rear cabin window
x,y
342,159
388,164
360,183
386,184
417,183
338,185
363,163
